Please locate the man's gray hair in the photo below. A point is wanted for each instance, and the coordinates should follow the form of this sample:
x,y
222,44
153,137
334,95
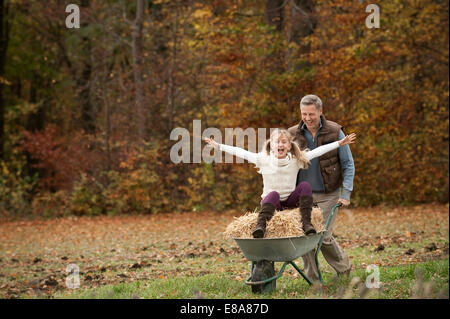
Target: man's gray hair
x,y
311,99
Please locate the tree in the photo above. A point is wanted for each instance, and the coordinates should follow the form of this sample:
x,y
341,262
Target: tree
x,y
4,39
84,80
302,23
137,69
275,13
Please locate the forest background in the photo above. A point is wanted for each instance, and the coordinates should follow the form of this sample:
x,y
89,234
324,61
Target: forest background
x,y
86,114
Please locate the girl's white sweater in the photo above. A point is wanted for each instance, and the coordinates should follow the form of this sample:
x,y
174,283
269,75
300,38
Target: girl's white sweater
x,y
279,175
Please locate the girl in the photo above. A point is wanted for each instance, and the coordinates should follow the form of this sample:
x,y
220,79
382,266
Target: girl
x,y
279,163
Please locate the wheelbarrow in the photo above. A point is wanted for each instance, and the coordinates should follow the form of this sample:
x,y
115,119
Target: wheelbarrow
x,y
264,252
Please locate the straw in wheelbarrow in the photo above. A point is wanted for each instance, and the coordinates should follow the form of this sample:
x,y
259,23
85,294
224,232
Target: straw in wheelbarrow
x,y
286,223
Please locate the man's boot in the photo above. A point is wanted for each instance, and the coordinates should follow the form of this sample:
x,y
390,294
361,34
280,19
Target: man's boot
x,y
305,205
266,213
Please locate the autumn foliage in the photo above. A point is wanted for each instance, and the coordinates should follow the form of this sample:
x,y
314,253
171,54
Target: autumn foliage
x,y
73,142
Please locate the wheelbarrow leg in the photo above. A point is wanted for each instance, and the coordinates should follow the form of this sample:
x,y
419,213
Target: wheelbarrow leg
x,y
301,273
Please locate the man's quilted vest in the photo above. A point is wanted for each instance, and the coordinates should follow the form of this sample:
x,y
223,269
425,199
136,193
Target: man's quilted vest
x,y
330,167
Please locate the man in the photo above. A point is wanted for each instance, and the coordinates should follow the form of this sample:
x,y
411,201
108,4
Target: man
x,y
326,175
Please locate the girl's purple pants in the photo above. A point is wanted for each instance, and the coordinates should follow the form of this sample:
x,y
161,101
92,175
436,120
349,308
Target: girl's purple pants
x,y
302,189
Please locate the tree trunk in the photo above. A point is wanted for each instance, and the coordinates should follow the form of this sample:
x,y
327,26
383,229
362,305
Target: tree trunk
x,y
171,87
4,39
303,21
302,24
275,13
107,131
275,17
84,82
137,70
36,121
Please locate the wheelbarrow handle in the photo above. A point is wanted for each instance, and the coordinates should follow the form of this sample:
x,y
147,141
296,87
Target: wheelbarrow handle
x,y
326,227
331,215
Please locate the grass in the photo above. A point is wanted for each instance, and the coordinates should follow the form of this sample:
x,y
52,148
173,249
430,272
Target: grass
x,y
426,280
186,256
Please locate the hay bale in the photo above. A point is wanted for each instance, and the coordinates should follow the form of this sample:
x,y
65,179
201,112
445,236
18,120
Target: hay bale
x,y
317,219
286,223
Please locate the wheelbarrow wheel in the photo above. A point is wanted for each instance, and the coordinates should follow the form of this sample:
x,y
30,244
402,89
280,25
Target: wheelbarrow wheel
x,y
263,270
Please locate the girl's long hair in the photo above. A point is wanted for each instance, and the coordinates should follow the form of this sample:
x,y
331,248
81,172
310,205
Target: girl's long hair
x,y
295,149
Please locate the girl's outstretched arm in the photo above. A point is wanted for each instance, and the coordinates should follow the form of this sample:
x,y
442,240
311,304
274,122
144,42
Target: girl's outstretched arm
x,y
237,151
319,151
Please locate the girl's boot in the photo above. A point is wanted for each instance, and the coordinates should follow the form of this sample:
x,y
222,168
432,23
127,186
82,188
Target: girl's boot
x,y
305,205
266,213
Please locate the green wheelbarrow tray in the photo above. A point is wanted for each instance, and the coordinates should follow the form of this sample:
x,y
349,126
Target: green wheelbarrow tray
x,y
277,249
285,250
